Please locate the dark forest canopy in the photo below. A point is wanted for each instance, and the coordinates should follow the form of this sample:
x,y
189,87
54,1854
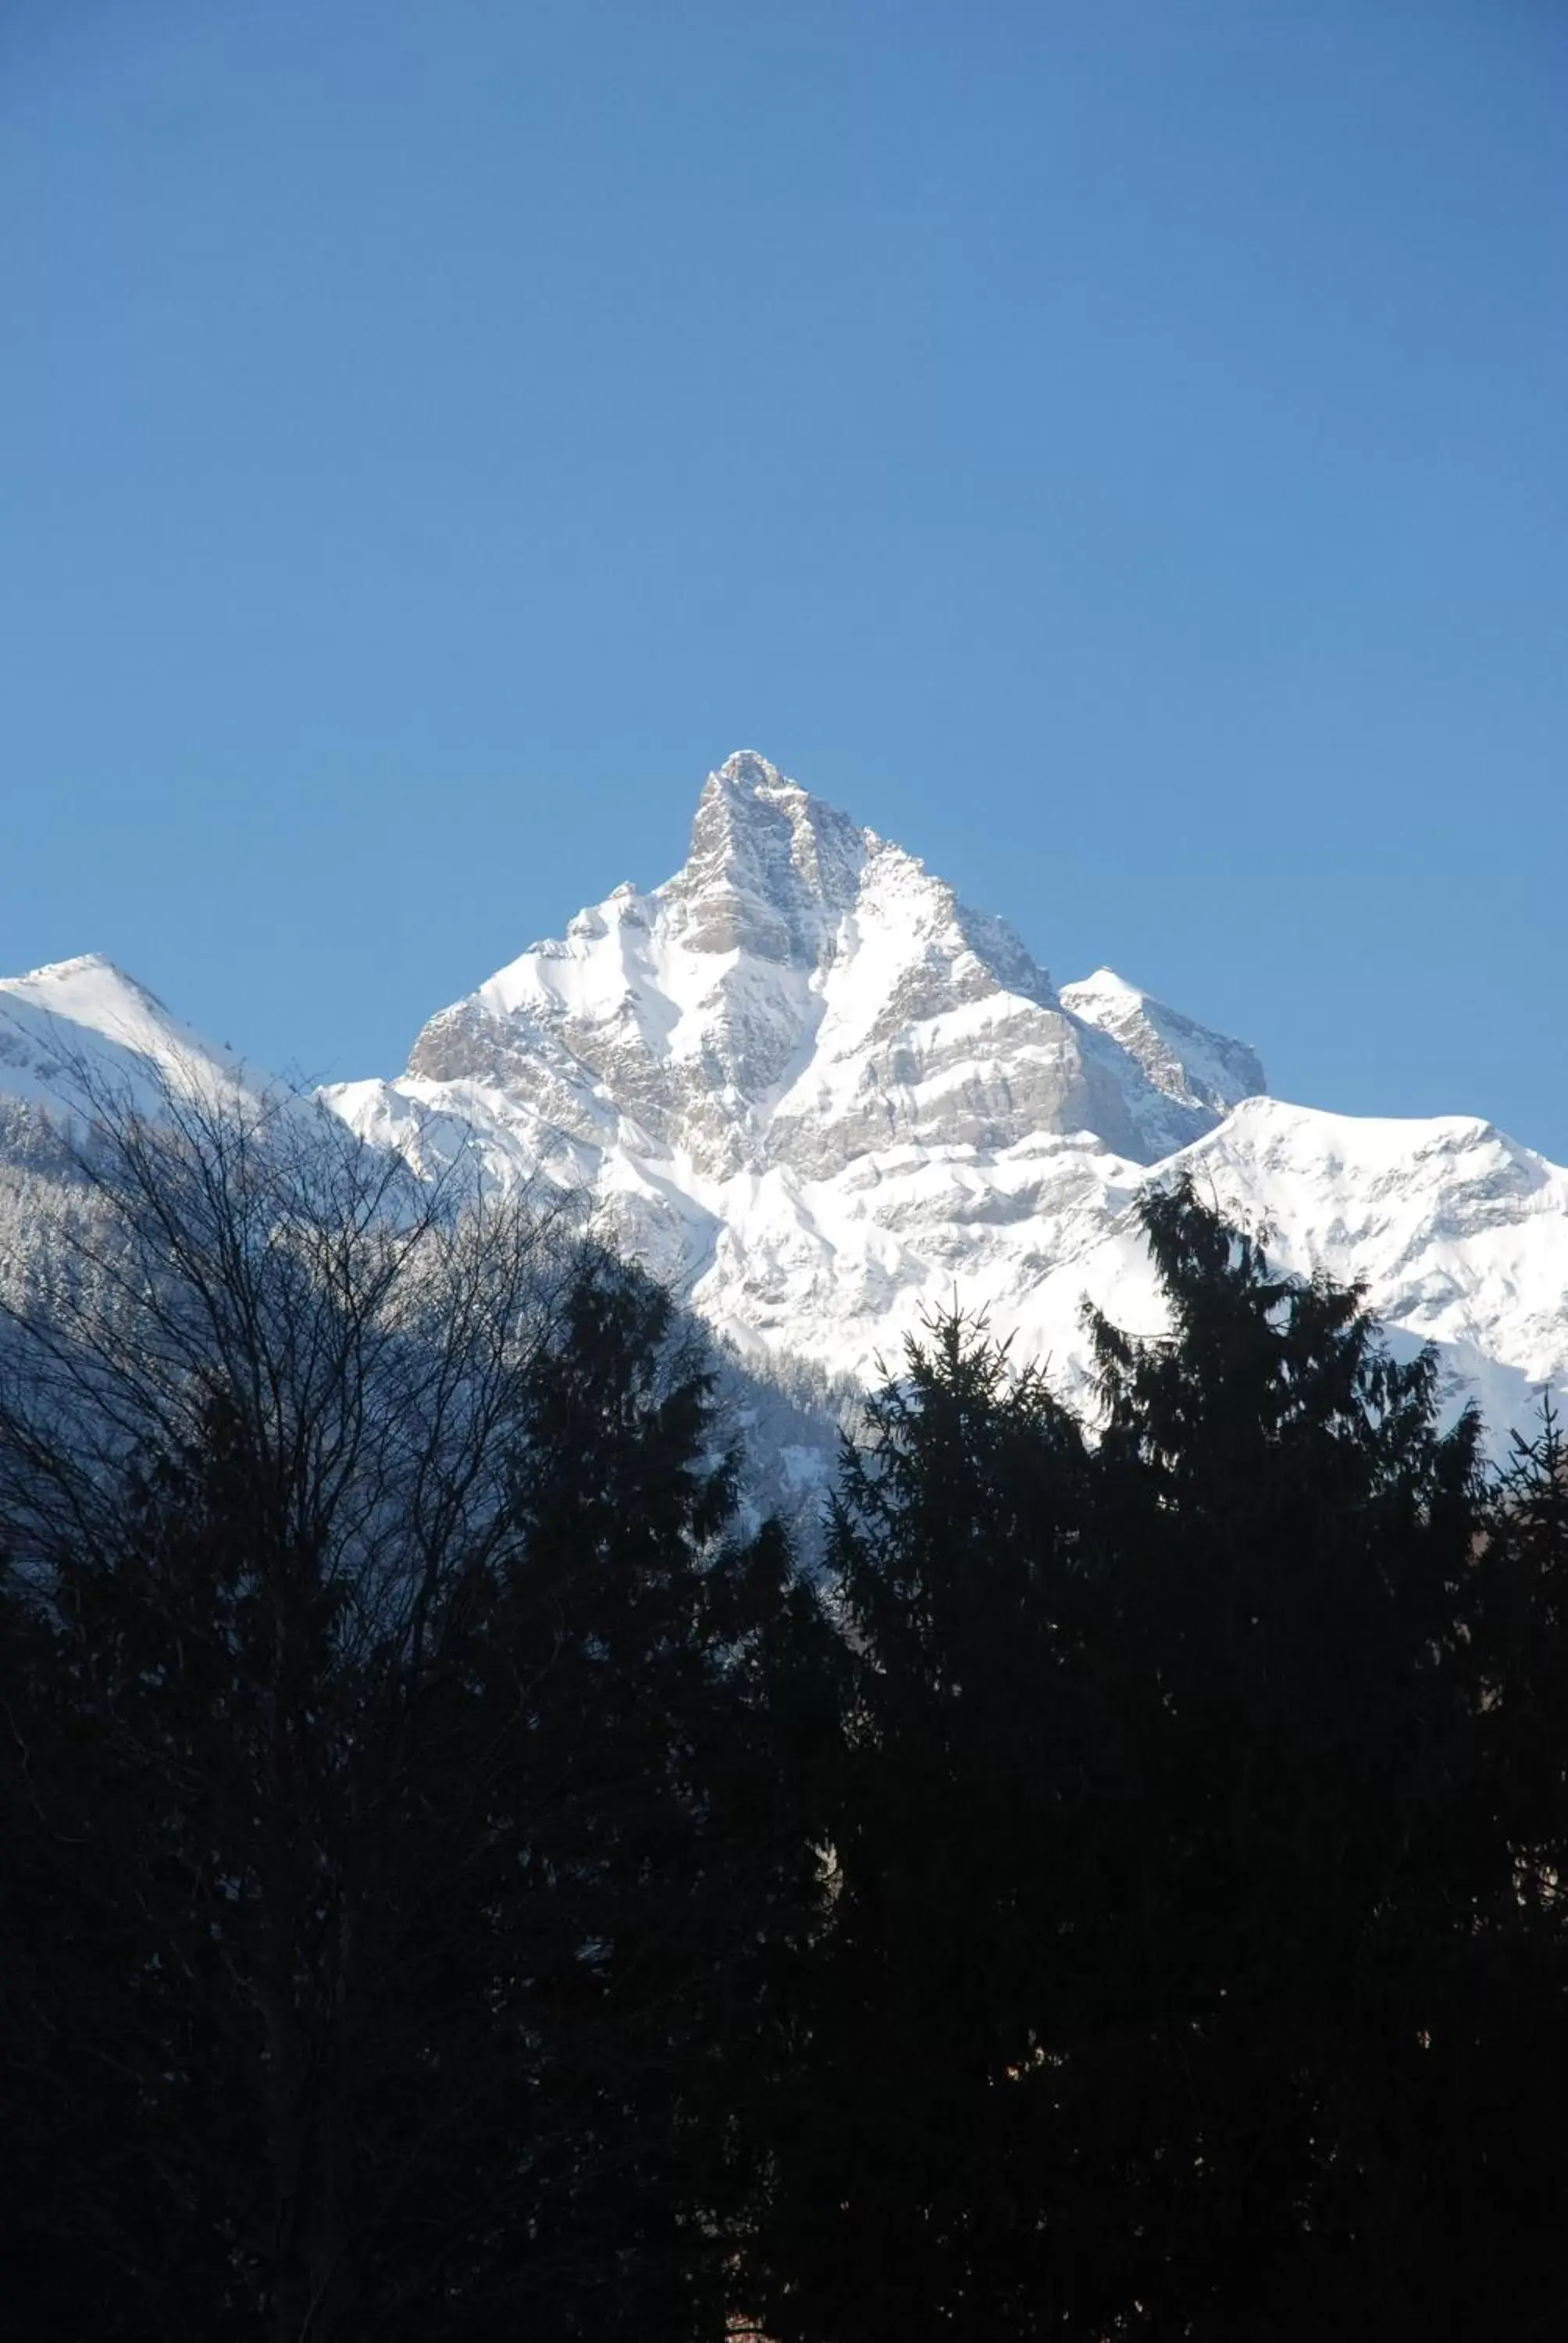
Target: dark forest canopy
x,y
460,1876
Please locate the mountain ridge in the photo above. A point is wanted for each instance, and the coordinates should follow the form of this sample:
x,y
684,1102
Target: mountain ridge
x,y
807,1084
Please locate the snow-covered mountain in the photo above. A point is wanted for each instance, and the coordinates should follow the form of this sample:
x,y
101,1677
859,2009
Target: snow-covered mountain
x,y
86,1016
806,1083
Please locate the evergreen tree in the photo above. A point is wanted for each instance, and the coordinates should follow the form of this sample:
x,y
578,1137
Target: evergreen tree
x,y
930,2170
1287,1537
664,1878
1513,2170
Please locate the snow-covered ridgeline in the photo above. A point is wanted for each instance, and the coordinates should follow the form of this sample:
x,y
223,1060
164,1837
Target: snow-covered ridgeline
x,y
84,1015
805,1083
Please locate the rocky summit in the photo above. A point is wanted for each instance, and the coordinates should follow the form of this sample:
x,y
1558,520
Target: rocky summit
x,y
807,1084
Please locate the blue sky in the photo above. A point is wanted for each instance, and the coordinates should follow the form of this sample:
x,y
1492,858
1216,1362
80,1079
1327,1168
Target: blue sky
x,y
1117,450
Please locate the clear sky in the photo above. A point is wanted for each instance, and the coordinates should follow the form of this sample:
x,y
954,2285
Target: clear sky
x,y
1118,448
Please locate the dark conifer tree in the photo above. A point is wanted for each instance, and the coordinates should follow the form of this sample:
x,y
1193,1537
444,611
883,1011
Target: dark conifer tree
x,y
1508,2140
1286,1539
663,1879
931,2172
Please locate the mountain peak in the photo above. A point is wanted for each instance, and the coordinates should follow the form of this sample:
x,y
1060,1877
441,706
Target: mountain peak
x,y
802,994
86,989
746,768
811,1088
86,1014
1189,1061
770,870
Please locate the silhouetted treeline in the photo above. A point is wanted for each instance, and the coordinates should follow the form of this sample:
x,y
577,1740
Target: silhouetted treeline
x,y
460,1877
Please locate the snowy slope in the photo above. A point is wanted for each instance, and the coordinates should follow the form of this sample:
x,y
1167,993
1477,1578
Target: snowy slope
x,y
85,1016
815,1091
75,1036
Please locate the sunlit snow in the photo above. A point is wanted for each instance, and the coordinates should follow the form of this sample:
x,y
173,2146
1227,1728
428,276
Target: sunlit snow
x,y
821,1096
